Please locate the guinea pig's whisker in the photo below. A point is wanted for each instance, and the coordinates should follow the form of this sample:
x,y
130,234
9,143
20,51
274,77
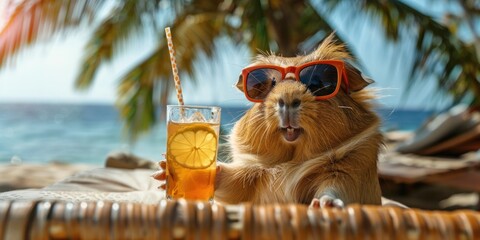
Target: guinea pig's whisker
x,y
240,115
320,89
264,133
256,118
266,129
345,107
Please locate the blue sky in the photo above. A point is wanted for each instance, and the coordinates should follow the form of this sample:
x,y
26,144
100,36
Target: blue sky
x,y
46,72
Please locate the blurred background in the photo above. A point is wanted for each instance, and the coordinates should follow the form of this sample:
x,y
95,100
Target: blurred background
x,y
82,78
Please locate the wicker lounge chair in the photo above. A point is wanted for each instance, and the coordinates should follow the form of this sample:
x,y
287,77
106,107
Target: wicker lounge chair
x,y
200,220
125,204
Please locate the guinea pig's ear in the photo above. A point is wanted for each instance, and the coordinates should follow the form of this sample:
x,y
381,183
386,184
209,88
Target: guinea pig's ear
x,y
356,80
239,84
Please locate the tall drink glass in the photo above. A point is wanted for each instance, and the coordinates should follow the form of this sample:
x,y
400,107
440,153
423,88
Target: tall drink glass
x,y
192,147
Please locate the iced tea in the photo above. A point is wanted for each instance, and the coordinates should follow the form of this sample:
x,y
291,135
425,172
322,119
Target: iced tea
x,y
191,156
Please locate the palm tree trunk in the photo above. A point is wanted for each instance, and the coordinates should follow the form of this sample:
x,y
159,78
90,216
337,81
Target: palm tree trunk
x,y
282,16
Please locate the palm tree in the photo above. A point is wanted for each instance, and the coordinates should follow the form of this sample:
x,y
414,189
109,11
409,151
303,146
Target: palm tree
x,y
286,26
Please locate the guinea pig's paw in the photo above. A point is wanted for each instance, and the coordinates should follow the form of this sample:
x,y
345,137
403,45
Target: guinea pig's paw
x,y
327,201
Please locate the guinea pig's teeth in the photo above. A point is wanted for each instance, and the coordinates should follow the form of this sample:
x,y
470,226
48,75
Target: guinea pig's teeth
x,y
290,130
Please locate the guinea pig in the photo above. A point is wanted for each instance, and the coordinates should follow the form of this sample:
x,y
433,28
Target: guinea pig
x,y
291,147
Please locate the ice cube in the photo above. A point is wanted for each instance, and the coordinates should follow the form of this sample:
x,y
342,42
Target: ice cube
x,y
197,117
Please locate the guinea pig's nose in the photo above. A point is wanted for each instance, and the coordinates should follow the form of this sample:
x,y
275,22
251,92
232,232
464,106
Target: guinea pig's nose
x,y
295,103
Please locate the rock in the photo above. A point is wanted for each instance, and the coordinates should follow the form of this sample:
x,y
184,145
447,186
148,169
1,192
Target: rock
x,y
128,161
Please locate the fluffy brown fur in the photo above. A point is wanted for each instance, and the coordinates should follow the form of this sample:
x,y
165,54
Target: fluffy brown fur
x,y
335,155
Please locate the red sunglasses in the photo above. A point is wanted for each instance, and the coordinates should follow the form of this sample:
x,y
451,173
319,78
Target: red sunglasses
x,y
323,78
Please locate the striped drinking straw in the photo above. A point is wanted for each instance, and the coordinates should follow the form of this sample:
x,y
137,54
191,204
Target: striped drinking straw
x,y
173,61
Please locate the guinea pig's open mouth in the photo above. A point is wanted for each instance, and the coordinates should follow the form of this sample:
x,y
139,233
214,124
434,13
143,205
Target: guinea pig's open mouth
x,y
291,134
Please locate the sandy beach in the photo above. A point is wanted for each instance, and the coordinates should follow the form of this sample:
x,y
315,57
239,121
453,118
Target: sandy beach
x,y
424,196
36,175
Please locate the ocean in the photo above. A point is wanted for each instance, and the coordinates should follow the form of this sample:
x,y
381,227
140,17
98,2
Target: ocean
x,y
39,133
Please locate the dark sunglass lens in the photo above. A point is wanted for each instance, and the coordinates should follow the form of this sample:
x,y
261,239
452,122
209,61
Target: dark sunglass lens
x,y
321,79
261,81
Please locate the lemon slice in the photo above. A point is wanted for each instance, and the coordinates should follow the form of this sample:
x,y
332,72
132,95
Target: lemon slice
x,y
194,147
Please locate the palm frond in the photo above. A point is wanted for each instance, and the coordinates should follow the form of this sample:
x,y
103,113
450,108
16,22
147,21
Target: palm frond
x,y
438,51
254,25
41,19
312,28
150,82
125,22
280,27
